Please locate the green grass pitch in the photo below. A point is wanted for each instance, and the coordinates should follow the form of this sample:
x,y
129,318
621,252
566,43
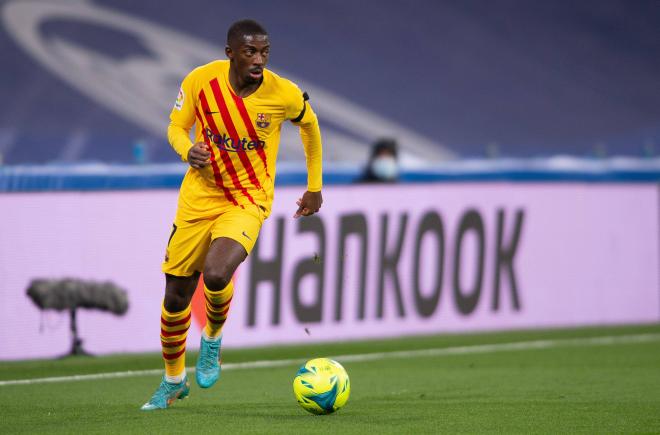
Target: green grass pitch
x,y
578,388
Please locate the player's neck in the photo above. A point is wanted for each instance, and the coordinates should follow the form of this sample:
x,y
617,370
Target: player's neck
x,y
240,87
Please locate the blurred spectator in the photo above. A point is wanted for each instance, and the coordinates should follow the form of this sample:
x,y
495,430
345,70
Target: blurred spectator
x,y
383,164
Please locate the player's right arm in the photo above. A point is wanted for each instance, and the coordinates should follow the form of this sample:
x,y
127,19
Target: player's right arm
x,y
182,119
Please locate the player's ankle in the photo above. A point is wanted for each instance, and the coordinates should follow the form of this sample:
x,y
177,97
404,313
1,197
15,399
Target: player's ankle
x,y
176,379
211,337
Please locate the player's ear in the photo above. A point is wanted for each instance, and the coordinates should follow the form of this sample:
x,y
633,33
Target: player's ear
x,y
229,53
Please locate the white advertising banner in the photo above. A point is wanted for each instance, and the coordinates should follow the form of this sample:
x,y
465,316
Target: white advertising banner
x,y
378,261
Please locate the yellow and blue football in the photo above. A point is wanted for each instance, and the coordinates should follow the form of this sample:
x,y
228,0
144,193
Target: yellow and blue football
x,y
321,386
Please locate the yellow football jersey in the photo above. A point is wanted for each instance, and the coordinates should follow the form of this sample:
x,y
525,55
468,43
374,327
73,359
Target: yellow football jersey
x,y
243,135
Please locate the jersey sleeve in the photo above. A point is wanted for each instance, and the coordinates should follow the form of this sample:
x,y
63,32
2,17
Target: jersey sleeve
x,y
182,118
300,113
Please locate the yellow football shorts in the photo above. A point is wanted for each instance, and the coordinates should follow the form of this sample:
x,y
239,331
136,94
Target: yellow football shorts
x,y
190,240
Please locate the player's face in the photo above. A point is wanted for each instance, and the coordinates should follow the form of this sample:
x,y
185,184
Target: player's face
x,y
250,57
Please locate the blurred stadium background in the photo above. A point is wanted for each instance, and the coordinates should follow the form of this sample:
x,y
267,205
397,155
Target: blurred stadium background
x,y
529,196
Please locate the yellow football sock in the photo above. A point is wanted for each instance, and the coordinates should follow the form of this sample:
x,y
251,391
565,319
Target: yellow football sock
x,y
173,332
217,306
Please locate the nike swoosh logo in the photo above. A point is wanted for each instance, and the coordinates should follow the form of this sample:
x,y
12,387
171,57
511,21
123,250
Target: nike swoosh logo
x,y
246,235
210,113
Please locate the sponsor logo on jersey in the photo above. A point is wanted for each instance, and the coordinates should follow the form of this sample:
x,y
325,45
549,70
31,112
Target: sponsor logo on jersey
x,y
226,143
178,104
263,120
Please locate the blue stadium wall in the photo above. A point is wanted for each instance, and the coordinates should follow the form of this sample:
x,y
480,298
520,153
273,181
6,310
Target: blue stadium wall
x,y
94,80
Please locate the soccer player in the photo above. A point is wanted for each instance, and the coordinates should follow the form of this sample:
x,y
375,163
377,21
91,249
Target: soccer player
x,y
237,107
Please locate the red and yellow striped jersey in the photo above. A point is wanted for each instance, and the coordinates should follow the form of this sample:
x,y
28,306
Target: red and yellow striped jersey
x,y
243,135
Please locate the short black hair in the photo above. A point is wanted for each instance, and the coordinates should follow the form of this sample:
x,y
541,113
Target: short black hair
x,y
244,27
385,144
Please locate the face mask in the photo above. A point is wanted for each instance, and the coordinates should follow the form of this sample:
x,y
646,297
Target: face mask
x,y
385,168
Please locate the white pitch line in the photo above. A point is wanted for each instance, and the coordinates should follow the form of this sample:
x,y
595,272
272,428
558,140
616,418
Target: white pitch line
x,y
457,350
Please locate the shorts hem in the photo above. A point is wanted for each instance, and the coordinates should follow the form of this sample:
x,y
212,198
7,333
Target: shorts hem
x,y
179,273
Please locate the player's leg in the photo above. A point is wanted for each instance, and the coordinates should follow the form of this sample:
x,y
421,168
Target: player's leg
x,y
224,257
234,234
174,323
222,260
185,255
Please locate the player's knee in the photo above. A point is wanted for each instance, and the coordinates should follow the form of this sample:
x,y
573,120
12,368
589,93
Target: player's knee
x,y
216,280
174,303
179,292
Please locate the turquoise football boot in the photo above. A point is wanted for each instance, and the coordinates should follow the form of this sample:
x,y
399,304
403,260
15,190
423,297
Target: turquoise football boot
x,y
166,394
207,370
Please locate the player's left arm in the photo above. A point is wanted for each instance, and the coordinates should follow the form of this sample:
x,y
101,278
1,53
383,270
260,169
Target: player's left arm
x,y
310,133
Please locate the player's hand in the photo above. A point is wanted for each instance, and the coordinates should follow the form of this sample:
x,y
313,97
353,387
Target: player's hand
x,y
309,204
199,155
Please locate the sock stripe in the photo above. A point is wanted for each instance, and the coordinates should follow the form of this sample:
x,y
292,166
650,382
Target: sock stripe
x,y
215,305
217,313
173,343
165,333
171,356
214,321
175,322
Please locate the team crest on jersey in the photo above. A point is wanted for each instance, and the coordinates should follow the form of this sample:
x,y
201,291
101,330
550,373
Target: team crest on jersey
x,y
263,120
178,104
